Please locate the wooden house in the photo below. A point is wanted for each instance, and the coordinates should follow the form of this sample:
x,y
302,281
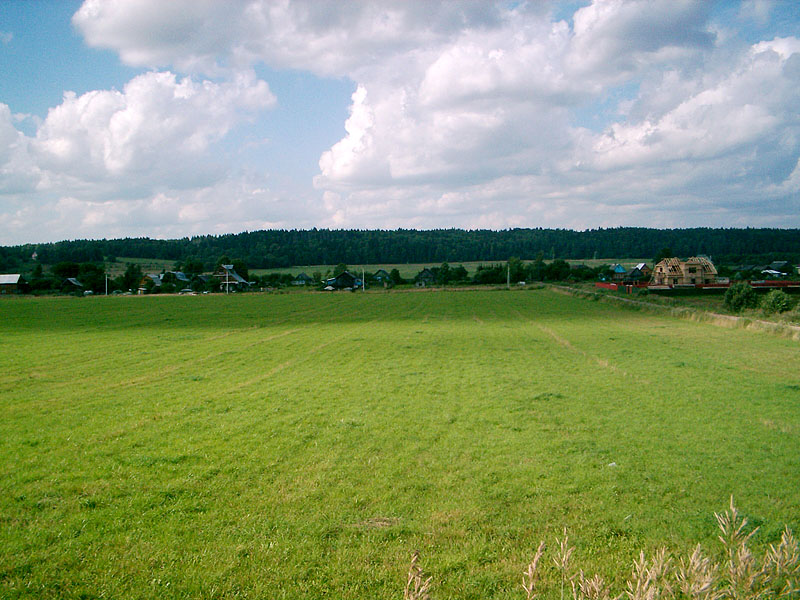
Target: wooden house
x,y
10,283
344,280
383,277
618,272
425,278
693,271
639,274
303,279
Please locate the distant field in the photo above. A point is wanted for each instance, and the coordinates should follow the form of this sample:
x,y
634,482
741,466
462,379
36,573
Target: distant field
x,y
303,445
409,270
148,265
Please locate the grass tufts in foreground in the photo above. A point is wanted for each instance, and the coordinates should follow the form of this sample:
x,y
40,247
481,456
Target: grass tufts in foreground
x,y
736,575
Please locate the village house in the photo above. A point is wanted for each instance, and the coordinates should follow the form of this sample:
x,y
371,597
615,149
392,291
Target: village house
x,y
71,286
303,279
150,281
692,271
425,278
230,280
382,276
618,272
344,280
10,283
639,273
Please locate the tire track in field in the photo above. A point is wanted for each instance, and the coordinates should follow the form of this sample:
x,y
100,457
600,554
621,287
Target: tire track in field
x,y
182,364
565,343
295,361
172,368
279,367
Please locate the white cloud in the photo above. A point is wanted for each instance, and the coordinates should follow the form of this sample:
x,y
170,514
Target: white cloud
x,y
109,161
465,114
157,130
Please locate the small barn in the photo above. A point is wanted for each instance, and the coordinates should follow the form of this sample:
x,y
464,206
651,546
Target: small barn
x,y
11,283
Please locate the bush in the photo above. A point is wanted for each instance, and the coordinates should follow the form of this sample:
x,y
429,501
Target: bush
x,y
777,301
740,296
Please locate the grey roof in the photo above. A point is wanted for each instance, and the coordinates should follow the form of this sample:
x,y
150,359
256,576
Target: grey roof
x,y
11,278
233,274
74,281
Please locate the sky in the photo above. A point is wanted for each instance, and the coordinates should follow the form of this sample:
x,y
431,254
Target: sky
x,y
174,118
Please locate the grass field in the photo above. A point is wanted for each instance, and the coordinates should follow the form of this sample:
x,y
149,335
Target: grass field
x,y
303,445
410,270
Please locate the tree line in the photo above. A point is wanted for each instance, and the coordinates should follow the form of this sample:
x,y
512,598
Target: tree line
x,y
284,248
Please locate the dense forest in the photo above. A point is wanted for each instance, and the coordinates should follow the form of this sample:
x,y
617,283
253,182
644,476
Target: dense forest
x,y
284,248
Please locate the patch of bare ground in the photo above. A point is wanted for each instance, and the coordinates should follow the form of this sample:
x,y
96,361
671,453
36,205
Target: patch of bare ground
x,y
376,523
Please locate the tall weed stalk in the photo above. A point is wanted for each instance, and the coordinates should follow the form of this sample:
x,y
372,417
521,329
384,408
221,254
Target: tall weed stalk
x,y
737,575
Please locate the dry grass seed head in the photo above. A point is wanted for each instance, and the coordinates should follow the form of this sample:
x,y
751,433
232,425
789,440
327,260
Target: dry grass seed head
x,y
590,589
531,574
697,577
649,580
732,527
564,554
417,585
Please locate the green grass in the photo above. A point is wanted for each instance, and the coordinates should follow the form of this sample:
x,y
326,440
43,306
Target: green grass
x,y
302,445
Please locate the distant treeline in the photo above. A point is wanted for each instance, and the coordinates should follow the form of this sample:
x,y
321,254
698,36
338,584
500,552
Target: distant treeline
x,y
285,248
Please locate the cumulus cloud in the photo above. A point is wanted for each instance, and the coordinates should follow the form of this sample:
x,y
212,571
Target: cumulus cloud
x,y
157,129
106,159
466,113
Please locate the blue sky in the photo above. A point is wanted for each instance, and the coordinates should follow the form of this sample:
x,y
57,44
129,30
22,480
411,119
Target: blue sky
x,y
145,118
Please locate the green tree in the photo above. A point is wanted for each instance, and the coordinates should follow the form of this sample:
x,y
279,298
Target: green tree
x,y
192,267
92,276
444,274
394,275
339,269
776,301
558,270
132,277
536,269
66,269
740,296
516,269
662,254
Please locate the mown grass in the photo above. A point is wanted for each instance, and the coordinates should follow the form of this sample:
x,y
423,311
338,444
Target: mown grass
x,y
301,446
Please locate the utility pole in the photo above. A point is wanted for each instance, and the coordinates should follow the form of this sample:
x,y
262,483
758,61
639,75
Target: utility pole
x,y
106,284
508,275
